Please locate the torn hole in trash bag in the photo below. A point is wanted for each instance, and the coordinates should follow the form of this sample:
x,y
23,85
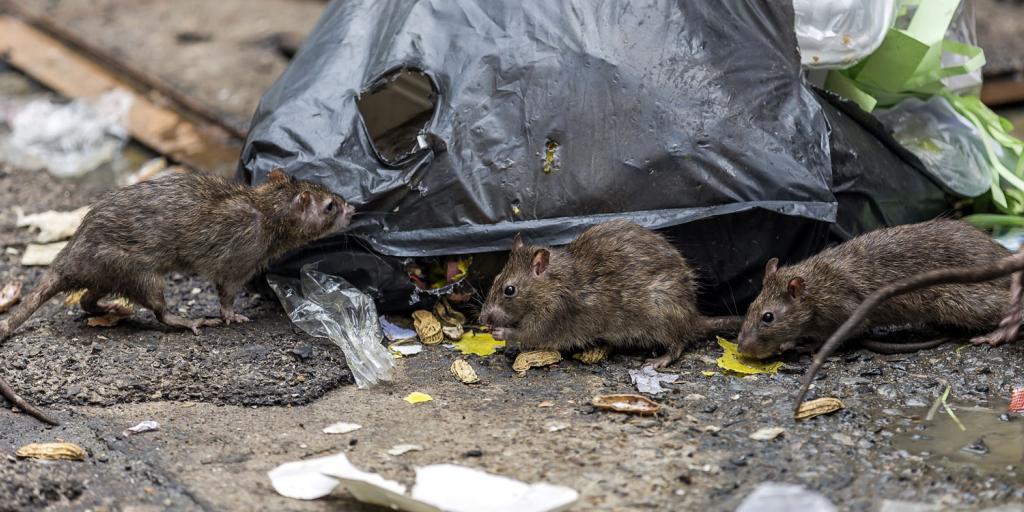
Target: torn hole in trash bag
x,y
396,109
439,277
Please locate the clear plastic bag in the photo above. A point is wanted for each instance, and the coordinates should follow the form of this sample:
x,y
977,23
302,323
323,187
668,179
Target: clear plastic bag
x,y
327,306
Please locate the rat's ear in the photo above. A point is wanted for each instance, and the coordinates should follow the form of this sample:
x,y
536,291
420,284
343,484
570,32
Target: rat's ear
x,y
795,287
277,176
517,242
302,201
771,267
540,261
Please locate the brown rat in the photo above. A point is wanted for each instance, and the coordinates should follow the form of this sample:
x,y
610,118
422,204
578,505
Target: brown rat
x,y
185,222
1009,326
806,302
617,284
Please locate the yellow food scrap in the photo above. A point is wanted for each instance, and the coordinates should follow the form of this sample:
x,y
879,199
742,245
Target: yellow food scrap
x,y
592,356
535,359
74,297
416,397
428,328
708,373
482,344
732,361
818,407
549,156
51,451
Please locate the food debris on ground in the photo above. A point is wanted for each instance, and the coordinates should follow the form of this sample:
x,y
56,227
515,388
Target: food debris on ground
x,y
400,449
464,372
535,359
818,407
341,428
648,380
767,433
52,226
481,344
394,332
51,451
626,403
1017,401
417,397
428,328
592,356
10,294
145,426
406,348
732,361
41,255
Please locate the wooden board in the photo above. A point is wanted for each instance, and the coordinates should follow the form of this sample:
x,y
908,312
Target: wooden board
x,y
161,128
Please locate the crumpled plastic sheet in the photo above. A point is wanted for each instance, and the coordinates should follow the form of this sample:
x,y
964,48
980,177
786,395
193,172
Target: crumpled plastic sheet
x,y
948,144
67,139
327,306
774,497
648,380
835,34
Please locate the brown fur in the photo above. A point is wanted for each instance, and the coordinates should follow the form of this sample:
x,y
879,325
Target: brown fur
x,y
831,284
185,222
618,283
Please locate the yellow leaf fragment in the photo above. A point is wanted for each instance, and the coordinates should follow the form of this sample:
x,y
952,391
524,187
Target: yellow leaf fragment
x,y
51,451
732,361
417,397
74,297
481,344
708,373
818,407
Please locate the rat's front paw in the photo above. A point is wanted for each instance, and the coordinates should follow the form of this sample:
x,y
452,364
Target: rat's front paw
x,y
503,333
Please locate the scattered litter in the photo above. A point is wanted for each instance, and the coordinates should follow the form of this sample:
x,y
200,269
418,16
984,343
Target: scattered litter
x,y
52,226
462,370
481,344
843,439
556,426
535,359
1017,401
767,433
41,255
196,291
978,447
74,298
10,294
712,429
451,319
12,251
630,404
147,171
330,307
51,451
438,487
546,403
428,328
648,380
452,332
592,356
416,397
694,397
949,410
708,373
400,449
395,333
112,319
145,426
341,428
773,497
406,348
732,361
67,139
818,407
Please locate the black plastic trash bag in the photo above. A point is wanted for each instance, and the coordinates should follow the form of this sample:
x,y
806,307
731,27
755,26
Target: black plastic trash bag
x,y
551,116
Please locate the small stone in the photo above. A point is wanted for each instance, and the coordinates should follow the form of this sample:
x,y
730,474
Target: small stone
x,y
473,453
872,372
303,351
709,408
694,397
843,439
767,433
978,448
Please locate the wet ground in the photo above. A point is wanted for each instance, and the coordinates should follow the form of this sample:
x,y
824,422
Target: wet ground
x,y
239,400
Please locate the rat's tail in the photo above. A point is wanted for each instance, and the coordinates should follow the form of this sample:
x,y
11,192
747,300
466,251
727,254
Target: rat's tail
x,y
49,286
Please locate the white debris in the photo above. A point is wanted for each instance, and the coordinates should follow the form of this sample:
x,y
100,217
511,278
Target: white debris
x,y
444,487
767,434
773,497
342,428
145,426
53,226
556,426
648,380
406,349
401,449
41,254
67,139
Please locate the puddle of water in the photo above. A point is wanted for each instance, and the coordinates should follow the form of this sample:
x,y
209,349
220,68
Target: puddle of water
x,y
988,442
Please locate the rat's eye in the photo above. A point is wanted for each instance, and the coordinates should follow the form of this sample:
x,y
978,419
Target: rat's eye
x,y
768,317
330,207
510,291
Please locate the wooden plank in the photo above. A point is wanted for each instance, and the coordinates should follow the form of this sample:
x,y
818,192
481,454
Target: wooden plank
x,y
1002,91
161,128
